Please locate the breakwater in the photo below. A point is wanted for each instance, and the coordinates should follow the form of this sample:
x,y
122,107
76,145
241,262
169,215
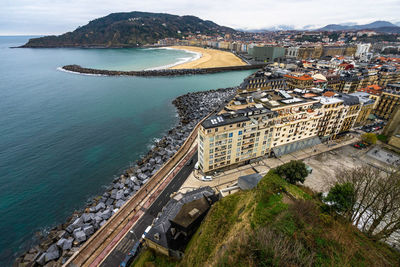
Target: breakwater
x,y
157,73
64,240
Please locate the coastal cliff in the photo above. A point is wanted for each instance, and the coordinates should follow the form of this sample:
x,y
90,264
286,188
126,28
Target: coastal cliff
x,y
130,29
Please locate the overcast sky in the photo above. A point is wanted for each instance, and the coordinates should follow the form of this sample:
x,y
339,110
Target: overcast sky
x,y
59,16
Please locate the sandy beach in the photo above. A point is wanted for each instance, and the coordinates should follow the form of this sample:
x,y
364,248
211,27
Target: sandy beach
x,y
210,58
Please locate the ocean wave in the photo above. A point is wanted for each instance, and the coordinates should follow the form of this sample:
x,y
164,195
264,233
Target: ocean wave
x,y
78,73
182,60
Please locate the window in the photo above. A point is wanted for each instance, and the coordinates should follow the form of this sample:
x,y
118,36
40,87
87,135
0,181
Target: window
x,y
240,133
211,151
230,134
211,139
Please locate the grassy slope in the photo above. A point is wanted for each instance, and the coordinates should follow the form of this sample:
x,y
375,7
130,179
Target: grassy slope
x,y
276,224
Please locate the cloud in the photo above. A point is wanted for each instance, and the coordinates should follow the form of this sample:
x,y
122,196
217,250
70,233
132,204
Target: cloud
x,y
58,16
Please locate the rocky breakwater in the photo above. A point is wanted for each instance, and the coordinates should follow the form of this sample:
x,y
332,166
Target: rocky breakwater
x,y
64,240
151,73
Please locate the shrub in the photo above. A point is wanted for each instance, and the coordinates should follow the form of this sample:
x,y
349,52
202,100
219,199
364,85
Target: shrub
x,y
370,138
342,197
293,171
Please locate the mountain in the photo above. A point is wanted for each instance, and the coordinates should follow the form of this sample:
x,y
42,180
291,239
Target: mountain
x,y
130,29
376,25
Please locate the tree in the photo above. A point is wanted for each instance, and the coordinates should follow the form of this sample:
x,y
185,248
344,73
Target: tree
x,y
370,138
293,171
342,197
376,205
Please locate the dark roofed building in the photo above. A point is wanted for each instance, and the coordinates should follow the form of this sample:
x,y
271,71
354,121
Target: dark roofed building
x,y
178,221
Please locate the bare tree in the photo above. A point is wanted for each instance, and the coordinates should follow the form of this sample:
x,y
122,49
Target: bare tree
x,y
377,192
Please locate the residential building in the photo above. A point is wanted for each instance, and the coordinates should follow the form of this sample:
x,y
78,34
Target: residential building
x,y
263,80
392,129
388,102
267,53
367,107
272,123
301,81
180,218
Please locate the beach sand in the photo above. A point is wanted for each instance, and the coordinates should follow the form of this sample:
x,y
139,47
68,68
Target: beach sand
x,y
211,58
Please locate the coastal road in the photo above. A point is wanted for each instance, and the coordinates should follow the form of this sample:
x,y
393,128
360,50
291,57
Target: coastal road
x,y
126,244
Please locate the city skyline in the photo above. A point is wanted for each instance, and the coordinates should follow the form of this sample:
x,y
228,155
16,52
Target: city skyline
x,y
21,17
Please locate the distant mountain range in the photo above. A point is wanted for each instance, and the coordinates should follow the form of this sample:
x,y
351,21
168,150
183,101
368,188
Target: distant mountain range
x,y
381,26
130,29
384,26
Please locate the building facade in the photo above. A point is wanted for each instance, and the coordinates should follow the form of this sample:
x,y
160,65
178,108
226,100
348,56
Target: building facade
x,y
272,123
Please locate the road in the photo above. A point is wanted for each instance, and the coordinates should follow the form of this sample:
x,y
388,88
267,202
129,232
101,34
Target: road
x,y
122,249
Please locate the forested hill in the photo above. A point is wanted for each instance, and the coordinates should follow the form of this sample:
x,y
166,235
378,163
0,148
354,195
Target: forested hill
x,y
130,29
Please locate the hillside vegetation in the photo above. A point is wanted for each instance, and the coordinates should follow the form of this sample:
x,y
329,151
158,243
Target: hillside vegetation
x,y
276,224
130,29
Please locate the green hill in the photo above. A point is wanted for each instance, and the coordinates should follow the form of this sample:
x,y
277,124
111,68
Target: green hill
x,y
276,224
130,29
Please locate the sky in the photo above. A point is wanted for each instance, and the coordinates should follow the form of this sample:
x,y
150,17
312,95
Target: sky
x,y
40,17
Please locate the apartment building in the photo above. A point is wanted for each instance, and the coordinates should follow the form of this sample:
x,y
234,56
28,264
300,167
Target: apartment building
x,y
272,123
301,81
388,101
263,80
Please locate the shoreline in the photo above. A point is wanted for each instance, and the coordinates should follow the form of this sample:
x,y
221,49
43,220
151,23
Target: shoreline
x,y
63,240
210,58
197,56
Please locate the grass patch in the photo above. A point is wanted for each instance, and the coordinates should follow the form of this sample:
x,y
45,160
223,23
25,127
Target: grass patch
x,y
277,224
150,258
382,137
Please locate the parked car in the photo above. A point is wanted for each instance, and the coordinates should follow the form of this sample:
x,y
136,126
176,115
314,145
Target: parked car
x,y
146,231
357,146
206,178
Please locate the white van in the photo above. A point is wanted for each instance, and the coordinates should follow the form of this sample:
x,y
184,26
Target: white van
x,y
206,178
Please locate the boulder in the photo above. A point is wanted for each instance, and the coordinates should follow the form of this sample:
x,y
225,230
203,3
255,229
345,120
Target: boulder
x,y
142,176
100,206
61,242
88,230
41,260
77,223
70,228
98,219
136,188
86,217
119,203
109,201
119,194
67,244
52,253
158,160
106,214
80,236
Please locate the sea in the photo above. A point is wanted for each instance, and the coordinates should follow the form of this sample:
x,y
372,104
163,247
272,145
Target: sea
x,y
64,136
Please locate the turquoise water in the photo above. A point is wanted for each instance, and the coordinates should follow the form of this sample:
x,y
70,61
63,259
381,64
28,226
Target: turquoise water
x,y
63,136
